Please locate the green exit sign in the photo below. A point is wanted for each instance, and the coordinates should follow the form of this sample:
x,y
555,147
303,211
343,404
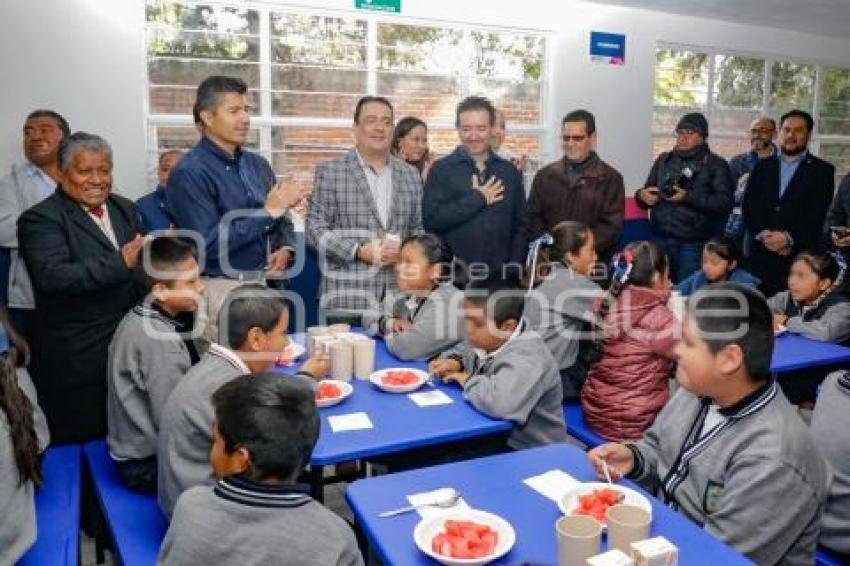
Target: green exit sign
x,y
379,5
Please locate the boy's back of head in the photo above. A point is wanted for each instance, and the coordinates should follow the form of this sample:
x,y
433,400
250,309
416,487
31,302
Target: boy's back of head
x,y
162,259
731,313
246,307
274,417
501,297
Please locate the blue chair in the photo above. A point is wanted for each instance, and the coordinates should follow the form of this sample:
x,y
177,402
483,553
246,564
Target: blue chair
x,y
136,524
577,428
306,285
825,558
57,510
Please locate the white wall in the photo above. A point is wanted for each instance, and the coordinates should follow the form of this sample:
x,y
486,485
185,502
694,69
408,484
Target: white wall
x,y
86,59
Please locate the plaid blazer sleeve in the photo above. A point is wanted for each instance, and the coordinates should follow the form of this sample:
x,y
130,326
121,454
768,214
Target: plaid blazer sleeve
x,y
322,226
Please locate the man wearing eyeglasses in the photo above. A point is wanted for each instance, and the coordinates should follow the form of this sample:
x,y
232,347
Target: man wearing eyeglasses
x,y
688,192
762,136
580,187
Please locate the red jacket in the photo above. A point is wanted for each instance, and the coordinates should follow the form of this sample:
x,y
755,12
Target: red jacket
x,y
628,386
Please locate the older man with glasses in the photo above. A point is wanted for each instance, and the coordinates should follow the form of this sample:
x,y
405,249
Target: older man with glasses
x,y
688,193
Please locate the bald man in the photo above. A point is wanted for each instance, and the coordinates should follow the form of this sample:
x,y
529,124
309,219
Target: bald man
x,y
762,138
151,207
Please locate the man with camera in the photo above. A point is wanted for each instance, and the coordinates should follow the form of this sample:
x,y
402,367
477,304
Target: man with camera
x,y
688,192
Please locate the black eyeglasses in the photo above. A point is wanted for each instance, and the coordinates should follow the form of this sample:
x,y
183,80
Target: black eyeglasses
x,y
755,131
567,138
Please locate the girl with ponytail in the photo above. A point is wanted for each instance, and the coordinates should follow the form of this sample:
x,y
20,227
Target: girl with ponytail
x,y
817,306
20,463
628,386
559,305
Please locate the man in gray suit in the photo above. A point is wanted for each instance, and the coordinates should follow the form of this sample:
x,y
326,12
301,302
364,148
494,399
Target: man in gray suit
x,y
363,204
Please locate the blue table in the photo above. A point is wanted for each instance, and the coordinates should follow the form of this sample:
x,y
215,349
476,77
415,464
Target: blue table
x,y
495,484
792,352
398,423
57,509
135,522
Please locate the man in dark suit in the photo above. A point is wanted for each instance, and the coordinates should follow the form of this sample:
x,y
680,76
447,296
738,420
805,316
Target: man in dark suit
x,y
80,245
785,203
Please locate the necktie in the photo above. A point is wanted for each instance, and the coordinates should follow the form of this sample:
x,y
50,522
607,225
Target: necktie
x,y
97,211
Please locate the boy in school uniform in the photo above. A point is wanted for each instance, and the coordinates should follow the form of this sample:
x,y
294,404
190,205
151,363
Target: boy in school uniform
x,y
147,357
266,426
253,323
505,369
728,450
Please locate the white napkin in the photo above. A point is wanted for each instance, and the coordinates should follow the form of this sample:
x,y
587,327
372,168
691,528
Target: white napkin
x,y
351,421
429,398
552,484
436,495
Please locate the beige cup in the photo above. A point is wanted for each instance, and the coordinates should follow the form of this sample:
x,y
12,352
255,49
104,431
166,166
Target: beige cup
x,y
339,328
342,360
364,357
314,332
627,524
577,537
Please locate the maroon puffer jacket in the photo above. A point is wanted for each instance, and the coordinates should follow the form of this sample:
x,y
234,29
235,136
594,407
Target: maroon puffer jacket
x,y
628,386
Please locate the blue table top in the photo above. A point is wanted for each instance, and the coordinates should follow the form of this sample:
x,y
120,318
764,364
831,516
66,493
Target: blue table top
x,y
495,484
792,352
398,423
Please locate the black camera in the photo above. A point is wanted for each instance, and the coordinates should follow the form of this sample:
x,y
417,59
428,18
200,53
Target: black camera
x,y
668,189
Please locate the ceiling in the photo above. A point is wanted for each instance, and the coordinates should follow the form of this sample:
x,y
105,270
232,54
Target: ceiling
x,y
819,17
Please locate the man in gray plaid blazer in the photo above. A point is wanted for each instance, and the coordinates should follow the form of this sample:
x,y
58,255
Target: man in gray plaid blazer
x,y
363,204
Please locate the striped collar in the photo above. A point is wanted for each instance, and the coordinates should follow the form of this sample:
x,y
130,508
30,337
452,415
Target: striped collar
x,y
229,356
752,402
151,310
246,492
844,380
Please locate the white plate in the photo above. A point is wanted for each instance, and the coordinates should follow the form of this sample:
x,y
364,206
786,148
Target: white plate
x,y
344,386
427,529
569,501
377,379
292,353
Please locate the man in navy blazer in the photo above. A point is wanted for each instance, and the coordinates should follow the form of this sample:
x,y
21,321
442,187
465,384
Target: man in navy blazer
x,y
81,246
785,203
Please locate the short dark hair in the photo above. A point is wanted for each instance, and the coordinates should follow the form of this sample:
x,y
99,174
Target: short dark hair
x,y
274,417
211,90
60,120
797,113
475,103
169,152
725,247
500,296
581,116
731,313
162,256
404,127
825,266
246,307
366,100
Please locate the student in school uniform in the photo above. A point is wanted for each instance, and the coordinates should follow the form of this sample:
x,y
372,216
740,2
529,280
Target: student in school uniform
x,y
252,323
20,462
628,385
148,356
830,423
505,369
560,303
266,426
729,451
816,306
720,258
425,318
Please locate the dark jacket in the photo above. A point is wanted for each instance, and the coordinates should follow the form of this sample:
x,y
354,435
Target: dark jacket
x,y
592,193
476,232
839,213
153,210
628,387
800,212
82,290
709,194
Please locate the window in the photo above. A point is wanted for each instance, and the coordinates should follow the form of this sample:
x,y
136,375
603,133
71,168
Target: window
x,y
732,90
306,69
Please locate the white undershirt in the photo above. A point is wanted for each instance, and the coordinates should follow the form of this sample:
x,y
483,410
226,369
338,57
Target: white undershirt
x,y
104,224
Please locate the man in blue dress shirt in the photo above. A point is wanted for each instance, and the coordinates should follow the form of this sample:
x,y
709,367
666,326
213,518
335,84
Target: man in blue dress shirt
x,y
152,207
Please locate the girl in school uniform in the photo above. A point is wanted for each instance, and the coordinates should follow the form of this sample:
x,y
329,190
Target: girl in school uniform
x,y
817,307
560,302
425,317
20,465
628,386
720,258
